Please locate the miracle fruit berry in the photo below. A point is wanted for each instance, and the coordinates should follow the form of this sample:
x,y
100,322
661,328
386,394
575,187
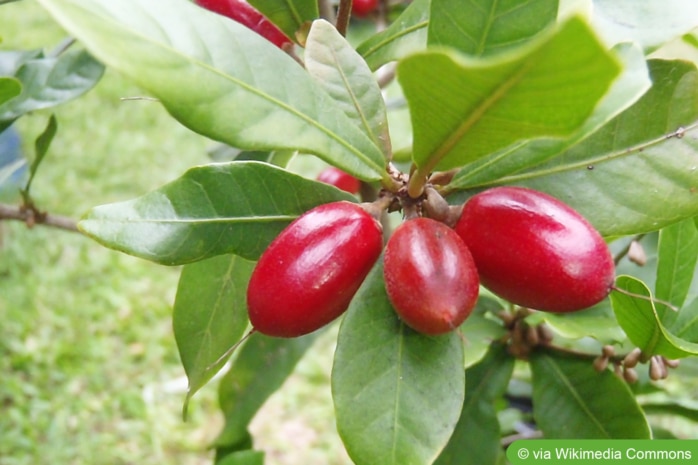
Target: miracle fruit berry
x,y
242,12
430,276
362,8
339,179
536,251
310,272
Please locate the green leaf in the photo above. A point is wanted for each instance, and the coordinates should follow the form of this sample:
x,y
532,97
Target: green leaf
x,y
669,405
650,23
259,369
480,331
475,440
639,319
677,257
41,146
245,457
637,173
224,152
235,207
630,85
597,322
49,81
483,27
288,15
12,60
219,78
465,108
210,315
342,72
571,400
9,89
685,325
407,34
397,393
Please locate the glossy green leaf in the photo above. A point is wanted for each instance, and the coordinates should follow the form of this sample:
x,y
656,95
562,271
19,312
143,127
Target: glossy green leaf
x,y
637,173
9,88
483,27
639,319
236,207
224,152
480,330
260,368
219,78
397,393
597,322
571,400
210,315
676,265
407,34
650,23
343,73
630,85
465,108
47,81
685,325
288,15
475,440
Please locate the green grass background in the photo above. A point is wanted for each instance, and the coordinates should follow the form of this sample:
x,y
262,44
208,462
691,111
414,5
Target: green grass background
x,y
86,345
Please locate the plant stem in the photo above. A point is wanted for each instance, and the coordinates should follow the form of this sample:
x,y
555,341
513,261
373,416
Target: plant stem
x,y
31,216
343,16
418,179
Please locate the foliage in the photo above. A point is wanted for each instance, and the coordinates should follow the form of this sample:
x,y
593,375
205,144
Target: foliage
x,y
533,93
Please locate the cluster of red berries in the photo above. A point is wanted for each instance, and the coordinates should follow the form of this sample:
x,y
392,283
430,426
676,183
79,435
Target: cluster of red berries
x,y
523,245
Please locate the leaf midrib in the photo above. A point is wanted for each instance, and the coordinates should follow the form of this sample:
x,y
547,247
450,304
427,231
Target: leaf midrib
x,y
246,87
575,395
608,157
475,116
394,37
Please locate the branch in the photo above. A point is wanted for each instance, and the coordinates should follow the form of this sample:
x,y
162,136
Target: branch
x,y
343,16
31,216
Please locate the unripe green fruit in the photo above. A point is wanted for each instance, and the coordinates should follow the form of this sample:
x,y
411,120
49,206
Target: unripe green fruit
x,y
535,251
430,276
308,275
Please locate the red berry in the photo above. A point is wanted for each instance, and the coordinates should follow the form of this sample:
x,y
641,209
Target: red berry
x,y
310,272
363,8
536,251
339,179
247,15
430,276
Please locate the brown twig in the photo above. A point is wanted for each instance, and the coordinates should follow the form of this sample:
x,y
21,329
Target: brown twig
x,y
31,216
343,16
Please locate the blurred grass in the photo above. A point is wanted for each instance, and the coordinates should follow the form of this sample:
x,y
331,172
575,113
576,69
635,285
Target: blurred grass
x,y
85,331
